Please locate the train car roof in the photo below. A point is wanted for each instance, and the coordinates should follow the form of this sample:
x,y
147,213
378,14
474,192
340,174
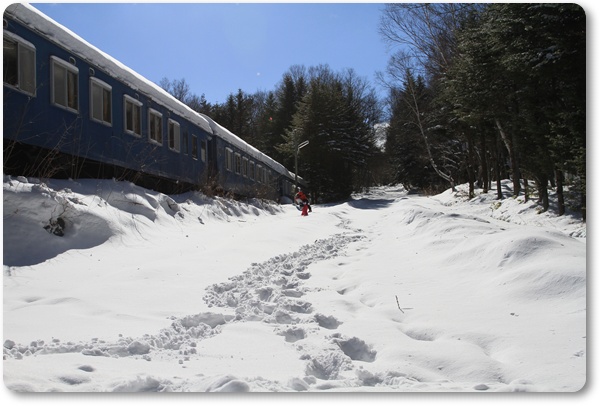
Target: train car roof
x,y
44,25
223,132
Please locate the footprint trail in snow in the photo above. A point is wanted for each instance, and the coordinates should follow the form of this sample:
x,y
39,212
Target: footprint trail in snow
x,y
270,292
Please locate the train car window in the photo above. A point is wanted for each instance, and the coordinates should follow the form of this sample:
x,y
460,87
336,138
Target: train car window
x,y
133,116
65,84
259,173
101,101
228,159
155,126
19,63
194,147
203,151
251,173
174,135
238,164
245,167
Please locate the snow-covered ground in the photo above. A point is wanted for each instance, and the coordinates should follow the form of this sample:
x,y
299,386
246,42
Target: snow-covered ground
x,y
385,292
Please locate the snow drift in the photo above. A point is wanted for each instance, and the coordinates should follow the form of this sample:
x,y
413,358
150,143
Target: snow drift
x,y
109,287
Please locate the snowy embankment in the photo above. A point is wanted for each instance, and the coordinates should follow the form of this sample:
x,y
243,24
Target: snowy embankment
x,y
386,292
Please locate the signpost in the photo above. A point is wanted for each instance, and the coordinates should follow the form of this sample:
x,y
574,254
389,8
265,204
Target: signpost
x,y
301,145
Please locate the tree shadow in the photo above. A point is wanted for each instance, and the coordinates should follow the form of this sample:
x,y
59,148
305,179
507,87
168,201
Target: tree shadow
x,y
27,243
370,204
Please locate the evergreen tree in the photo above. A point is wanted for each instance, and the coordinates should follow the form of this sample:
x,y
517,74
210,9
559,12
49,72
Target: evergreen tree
x,y
199,104
474,93
266,137
404,147
334,117
529,58
288,95
236,115
555,57
506,81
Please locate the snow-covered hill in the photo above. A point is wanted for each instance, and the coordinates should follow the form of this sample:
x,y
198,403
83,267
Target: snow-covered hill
x,y
385,292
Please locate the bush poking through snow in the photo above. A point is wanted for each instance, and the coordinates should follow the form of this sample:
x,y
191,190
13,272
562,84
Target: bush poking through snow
x,y
56,227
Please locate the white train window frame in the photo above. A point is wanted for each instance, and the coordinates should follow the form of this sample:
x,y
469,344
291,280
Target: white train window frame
x,y
104,110
68,97
252,170
136,116
194,147
155,127
174,135
245,167
237,163
25,64
259,173
203,151
229,159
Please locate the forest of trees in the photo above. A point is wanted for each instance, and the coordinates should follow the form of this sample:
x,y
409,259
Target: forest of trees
x,y
477,93
481,93
335,111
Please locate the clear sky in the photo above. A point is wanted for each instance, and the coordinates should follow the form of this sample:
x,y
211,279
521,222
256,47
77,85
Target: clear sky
x,y
219,48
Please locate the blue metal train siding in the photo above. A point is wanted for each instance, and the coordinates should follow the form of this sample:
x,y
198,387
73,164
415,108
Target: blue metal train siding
x,y
240,181
201,154
35,120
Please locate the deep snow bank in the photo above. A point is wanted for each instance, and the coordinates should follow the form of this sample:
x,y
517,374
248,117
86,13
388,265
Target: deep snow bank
x,y
385,292
87,213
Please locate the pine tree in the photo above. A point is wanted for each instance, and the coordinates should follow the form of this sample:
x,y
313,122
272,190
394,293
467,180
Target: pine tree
x,y
199,104
404,147
265,135
334,117
544,54
288,95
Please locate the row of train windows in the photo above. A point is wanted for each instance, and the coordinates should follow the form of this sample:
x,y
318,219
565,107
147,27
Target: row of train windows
x,y
234,162
288,187
19,72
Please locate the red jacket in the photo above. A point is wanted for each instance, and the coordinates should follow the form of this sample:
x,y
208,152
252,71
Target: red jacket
x,y
300,195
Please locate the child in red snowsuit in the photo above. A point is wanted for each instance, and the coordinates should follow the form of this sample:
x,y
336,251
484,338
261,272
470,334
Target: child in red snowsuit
x,y
302,199
305,209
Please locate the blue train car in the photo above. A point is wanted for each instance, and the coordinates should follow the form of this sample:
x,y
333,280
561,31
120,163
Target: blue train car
x,y
245,170
71,110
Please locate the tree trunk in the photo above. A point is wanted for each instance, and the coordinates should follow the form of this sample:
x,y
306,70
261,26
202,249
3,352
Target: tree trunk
x,y
559,191
484,162
516,173
437,170
470,165
543,191
413,105
498,169
583,206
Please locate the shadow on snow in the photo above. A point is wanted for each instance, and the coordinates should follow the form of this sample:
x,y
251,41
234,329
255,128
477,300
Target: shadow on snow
x,y
370,204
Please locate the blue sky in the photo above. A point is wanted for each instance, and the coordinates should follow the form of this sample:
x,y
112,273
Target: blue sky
x,y
219,48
